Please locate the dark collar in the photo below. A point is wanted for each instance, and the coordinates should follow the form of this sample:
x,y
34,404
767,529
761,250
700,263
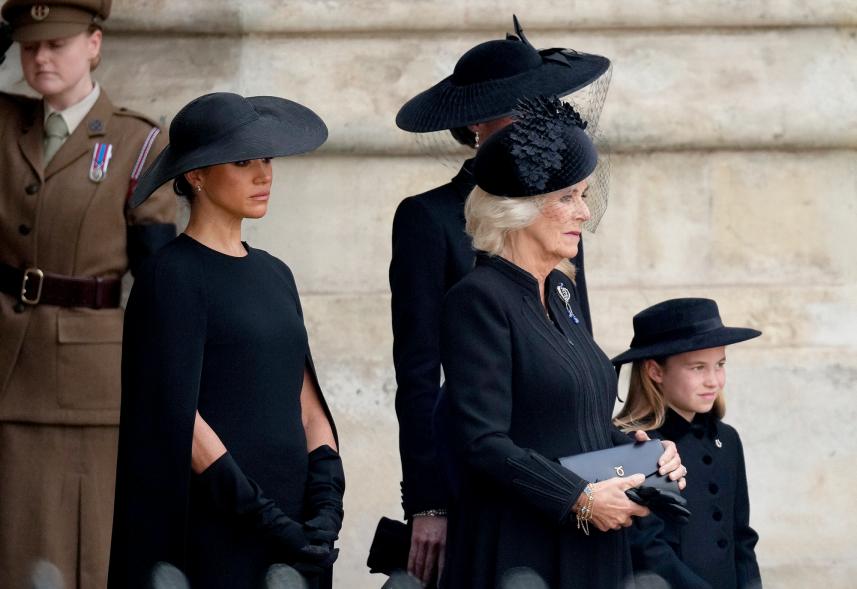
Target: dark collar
x,y
675,426
514,273
464,182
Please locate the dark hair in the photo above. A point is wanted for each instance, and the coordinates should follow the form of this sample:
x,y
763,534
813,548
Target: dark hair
x,y
464,136
183,188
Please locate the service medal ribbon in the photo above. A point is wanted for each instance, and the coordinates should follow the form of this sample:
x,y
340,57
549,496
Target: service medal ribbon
x,y
100,159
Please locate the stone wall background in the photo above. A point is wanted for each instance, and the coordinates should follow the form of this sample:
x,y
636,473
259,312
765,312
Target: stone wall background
x,y
734,126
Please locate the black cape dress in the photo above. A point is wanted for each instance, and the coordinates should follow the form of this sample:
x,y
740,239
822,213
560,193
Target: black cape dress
x,y
524,389
224,335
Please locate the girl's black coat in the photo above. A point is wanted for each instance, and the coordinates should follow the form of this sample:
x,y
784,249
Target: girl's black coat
x,y
431,253
524,389
716,549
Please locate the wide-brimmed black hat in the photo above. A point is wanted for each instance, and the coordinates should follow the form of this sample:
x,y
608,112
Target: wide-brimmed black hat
x,y
545,149
222,127
680,325
490,78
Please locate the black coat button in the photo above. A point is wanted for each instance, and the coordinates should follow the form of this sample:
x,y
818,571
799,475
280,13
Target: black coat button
x,y
24,229
707,459
722,543
713,488
717,515
32,188
698,433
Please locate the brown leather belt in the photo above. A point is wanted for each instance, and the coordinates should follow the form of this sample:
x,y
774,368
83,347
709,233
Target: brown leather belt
x,y
33,286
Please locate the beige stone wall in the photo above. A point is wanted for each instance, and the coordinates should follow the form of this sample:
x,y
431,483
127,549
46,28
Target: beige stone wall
x,y
734,125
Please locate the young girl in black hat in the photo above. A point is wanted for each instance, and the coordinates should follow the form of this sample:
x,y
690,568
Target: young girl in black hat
x,y
676,393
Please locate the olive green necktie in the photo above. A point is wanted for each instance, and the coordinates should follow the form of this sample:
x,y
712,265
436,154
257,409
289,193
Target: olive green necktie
x,y
56,132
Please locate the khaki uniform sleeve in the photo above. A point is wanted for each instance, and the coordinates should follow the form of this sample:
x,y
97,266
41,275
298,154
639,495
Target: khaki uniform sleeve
x,y
152,224
161,206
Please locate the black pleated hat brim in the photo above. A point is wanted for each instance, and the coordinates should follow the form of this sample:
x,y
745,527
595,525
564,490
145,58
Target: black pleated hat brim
x,y
447,106
283,128
722,336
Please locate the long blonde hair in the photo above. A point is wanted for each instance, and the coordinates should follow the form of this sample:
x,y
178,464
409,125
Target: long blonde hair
x,y
490,219
645,407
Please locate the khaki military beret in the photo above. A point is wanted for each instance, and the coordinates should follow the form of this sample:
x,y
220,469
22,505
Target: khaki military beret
x,y
32,20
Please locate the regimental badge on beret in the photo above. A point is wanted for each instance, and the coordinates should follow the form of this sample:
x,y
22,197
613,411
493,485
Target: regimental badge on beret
x,y
40,12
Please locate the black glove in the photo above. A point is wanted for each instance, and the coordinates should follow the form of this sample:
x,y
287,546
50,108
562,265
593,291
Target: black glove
x,y
667,505
231,491
324,490
5,40
314,560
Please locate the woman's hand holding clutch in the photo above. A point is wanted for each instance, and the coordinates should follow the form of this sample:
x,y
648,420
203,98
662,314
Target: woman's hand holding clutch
x,y
611,508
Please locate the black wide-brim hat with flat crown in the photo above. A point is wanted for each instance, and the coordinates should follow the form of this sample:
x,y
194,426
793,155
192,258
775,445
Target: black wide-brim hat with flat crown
x,y
677,326
490,78
222,127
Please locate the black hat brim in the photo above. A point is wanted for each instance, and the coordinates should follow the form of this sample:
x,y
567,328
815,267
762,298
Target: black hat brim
x,y
283,128
722,336
447,105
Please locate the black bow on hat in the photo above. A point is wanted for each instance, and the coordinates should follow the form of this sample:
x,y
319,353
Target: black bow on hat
x,y
680,325
490,78
222,127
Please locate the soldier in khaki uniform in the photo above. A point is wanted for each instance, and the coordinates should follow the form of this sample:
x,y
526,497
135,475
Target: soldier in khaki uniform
x,y
68,161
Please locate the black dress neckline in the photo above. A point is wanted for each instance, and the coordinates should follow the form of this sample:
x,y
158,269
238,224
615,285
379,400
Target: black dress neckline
x,y
201,246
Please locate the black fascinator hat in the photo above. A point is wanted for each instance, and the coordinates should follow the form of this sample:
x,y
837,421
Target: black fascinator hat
x,y
677,326
546,149
489,79
222,127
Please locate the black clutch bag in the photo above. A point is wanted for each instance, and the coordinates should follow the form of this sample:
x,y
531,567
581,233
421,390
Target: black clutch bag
x,y
658,492
390,547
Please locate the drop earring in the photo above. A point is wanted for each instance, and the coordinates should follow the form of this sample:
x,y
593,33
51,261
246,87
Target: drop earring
x,y
198,188
476,141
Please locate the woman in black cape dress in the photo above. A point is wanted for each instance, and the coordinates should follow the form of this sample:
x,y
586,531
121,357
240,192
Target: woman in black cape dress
x,y
227,450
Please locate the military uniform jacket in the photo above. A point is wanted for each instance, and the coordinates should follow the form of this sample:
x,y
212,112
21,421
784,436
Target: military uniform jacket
x,y
716,549
61,365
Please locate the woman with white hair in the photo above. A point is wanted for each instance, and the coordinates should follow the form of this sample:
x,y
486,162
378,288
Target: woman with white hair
x,y
526,383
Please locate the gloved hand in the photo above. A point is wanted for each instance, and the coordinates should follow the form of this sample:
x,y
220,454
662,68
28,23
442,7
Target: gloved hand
x,y
232,492
5,40
314,560
668,505
324,490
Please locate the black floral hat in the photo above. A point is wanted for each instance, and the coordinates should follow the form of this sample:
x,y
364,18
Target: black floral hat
x,y
546,149
490,78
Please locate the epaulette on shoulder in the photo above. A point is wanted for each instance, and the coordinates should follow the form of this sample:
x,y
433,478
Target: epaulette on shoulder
x,y
125,112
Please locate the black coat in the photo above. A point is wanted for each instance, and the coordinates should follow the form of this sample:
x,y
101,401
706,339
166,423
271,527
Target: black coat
x,y
524,390
716,549
431,252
